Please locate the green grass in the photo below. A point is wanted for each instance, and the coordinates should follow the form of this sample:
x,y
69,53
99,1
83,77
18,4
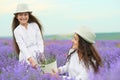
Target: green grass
x,y
99,36
108,36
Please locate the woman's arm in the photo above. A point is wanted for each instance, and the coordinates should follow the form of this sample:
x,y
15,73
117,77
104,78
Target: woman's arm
x,y
40,42
23,48
39,38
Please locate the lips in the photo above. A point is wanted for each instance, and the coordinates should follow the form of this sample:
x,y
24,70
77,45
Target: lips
x,y
23,19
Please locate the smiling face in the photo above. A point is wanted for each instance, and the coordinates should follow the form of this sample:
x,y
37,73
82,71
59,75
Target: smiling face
x,y
75,41
23,18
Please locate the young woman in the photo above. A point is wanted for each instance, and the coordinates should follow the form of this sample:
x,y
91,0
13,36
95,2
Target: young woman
x,y
82,56
27,35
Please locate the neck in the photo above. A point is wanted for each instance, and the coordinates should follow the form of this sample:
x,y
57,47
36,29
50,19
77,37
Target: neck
x,y
25,25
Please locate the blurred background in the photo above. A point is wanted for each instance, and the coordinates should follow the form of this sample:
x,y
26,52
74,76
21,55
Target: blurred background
x,y
61,17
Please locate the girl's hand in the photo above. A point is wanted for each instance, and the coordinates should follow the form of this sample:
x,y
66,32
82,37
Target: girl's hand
x,y
59,71
54,73
32,62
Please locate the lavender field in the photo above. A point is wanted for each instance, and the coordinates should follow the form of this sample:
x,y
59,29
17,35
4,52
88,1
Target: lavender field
x,y
11,69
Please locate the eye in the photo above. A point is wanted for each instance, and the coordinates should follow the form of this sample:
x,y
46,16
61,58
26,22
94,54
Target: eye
x,y
26,14
74,38
20,14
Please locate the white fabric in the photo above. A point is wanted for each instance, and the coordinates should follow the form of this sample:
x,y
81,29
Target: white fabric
x,y
87,34
22,8
75,68
29,41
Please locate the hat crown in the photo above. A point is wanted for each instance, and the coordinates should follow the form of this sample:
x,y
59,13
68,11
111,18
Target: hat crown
x,y
87,34
22,8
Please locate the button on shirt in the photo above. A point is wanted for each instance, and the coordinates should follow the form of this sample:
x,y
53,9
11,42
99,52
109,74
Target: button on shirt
x,y
29,40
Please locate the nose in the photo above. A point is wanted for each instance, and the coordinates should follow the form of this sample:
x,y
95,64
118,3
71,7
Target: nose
x,y
23,15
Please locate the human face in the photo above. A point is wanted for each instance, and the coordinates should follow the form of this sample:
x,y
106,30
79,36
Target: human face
x,y
23,18
75,41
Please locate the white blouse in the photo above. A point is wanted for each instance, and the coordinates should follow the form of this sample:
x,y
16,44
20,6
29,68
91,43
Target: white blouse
x,y
75,68
29,40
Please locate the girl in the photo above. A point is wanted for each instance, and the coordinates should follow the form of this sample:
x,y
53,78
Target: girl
x,y
27,35
82,56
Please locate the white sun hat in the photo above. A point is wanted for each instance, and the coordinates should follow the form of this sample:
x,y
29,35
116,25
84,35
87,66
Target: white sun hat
x,y
86,33
22,7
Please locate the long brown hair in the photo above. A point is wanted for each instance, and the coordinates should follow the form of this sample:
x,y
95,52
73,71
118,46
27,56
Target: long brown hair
x,y
15,23
90,56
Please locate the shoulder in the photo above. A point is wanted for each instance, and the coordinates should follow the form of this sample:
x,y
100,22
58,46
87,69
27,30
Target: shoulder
x,y
34,25
17,29
71,50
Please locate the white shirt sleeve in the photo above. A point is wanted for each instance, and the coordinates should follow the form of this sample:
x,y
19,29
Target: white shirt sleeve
x,y
75,68
39,38
21,45
64,68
